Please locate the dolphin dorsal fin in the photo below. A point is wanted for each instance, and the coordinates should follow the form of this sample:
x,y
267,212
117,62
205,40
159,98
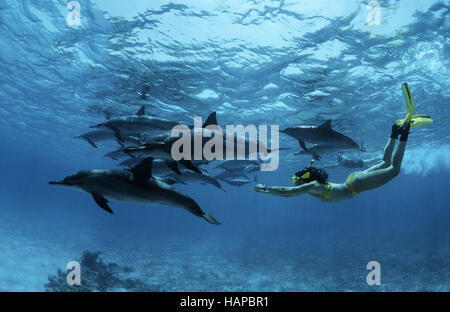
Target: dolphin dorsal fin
x,y
211,120
141,111
143,171
326,125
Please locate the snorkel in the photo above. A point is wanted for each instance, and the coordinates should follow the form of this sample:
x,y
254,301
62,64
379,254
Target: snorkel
x,y
303,174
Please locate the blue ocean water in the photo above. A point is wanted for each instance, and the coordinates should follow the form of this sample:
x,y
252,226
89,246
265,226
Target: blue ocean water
x,y
280,63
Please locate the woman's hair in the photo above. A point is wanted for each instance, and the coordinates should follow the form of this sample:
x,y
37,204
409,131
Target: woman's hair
x,y
316,174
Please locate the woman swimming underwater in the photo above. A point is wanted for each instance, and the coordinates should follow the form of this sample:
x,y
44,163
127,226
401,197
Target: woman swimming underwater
x,y
311,180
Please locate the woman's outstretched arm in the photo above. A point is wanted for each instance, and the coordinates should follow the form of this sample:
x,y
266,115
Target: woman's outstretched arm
x,y
285,191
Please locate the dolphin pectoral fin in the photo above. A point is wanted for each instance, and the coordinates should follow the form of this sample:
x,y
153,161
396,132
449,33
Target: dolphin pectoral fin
x,y
143,171
302,144
173,166
117,134
102,202
91,142
316,156
188,164
120,143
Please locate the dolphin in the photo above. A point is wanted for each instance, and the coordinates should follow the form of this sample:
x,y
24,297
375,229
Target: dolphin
x,y
246,166
237,180
135,185
189,176
322,134
230,175
137,123
321,149
93,137
160,167
161,146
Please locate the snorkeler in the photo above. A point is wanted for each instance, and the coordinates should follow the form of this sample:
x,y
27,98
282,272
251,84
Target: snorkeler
x,y
311,180
346,162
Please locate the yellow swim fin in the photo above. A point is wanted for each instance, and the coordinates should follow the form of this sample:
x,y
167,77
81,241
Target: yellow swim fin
x,y
416,120
409,103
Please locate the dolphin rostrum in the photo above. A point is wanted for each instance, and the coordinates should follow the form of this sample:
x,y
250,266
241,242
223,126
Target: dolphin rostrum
x,y
135,185
93,137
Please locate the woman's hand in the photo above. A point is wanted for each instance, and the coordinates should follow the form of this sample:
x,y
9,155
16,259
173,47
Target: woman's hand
x,y
260,188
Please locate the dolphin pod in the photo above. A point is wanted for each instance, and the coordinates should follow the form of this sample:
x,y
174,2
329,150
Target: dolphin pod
x,y
145,149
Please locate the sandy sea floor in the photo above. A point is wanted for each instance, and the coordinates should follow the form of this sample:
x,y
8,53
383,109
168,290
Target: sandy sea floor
x,y
28,254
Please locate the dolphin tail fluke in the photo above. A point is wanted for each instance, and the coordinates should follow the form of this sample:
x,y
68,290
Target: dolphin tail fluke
x,y
209,217
194,208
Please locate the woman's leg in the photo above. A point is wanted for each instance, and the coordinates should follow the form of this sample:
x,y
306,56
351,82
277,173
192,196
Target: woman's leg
x,y
387,156
368,180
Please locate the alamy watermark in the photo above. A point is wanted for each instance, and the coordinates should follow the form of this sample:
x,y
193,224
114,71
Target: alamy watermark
x,y
374,276
374,16
73,277
73,18
237,143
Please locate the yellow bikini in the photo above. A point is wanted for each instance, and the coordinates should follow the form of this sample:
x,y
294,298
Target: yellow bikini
x,y
349,184
325,196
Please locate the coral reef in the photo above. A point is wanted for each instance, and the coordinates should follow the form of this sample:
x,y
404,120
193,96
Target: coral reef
x,y
97,275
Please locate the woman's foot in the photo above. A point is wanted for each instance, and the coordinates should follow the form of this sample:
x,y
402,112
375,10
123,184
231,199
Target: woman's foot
x,y
403,131
395,131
